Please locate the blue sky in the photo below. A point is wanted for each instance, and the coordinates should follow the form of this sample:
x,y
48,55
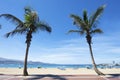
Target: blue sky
x,y
59,47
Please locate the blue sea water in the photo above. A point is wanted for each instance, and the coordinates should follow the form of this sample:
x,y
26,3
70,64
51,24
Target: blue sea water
x,y
34,65
16,65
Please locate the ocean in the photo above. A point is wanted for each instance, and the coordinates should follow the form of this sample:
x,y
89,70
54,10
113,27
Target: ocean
x,y
38,65
17,65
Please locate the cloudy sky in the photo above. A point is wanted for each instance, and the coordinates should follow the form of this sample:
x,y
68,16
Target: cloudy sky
x,y
60,47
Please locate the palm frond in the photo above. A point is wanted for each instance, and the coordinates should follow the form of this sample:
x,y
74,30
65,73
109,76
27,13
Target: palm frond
x,y
95,16
85,17
27,9
12,18
10,33
76,31
20,26
78,21
31,16
16,31
43,26
96,31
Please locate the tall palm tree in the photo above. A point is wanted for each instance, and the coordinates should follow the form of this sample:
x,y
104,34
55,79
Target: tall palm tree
x,y
31,25
88,26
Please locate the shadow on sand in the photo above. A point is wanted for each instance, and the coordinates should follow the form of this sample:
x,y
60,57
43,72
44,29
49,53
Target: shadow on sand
x,y
114,75
52,77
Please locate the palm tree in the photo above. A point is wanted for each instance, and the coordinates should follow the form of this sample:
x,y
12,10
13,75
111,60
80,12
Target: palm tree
x,y
31,25
88,26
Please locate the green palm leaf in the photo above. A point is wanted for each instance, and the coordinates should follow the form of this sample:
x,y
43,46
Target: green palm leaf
x,y
76,31
94,17
78,21
44,27
96,31
16,31
85,17
12,18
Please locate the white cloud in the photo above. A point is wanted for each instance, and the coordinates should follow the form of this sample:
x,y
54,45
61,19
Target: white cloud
x,y
77,51
74,51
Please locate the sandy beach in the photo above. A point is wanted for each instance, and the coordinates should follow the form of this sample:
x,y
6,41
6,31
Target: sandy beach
x,y
55,71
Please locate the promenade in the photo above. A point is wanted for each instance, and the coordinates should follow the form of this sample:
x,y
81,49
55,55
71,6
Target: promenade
x,y
57,77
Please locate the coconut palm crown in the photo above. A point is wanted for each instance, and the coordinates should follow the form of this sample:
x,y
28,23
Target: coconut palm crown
x,y
88,26
31,25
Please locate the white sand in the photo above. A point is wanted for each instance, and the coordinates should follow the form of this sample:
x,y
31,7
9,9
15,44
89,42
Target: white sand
x,y
55,71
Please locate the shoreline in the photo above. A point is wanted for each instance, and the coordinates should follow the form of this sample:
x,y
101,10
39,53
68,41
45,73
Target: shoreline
x,y
57,71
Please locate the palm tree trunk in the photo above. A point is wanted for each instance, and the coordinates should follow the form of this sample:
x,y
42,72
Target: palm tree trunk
x,y
93,61
25,73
